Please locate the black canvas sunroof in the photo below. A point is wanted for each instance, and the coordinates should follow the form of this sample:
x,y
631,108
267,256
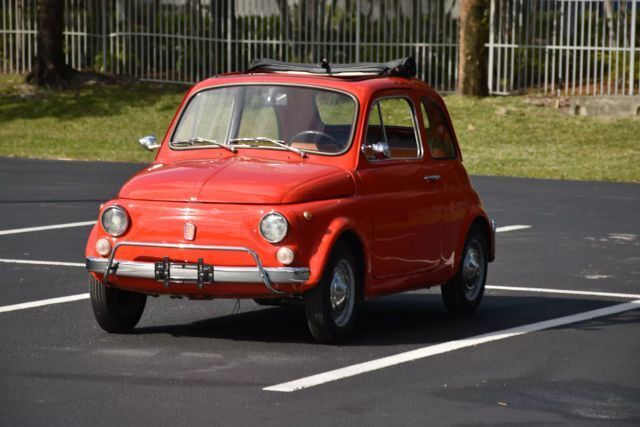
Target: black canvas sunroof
x,y
404,67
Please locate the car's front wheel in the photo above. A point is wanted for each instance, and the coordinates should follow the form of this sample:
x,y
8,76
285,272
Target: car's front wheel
x,y
332,304
463,293
117,311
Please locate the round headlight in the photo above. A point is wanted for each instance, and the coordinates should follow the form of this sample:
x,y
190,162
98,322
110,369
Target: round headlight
x,y
273,227
115,220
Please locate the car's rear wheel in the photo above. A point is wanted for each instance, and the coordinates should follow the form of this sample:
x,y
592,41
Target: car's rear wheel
x,y
463,293
332,304
116,310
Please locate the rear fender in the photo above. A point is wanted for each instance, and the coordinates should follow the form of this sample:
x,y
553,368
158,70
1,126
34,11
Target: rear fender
x,y
475,215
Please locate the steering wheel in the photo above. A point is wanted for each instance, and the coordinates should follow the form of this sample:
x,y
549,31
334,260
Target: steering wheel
x,y
317,138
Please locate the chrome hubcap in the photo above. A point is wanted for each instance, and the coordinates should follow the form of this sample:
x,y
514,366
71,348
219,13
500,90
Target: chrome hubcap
x,y
473,271
341,293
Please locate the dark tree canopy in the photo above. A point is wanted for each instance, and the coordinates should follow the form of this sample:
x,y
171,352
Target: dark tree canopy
x,y
49,67
472,61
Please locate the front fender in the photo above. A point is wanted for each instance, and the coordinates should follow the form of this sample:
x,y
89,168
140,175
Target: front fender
x,y
90,248
336,229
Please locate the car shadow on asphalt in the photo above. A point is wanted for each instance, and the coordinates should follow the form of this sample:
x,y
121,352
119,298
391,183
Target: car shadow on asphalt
x,y
408,318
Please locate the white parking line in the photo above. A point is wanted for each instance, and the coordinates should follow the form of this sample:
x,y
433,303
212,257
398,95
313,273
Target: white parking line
x,y
86,223
40,303
564,291
36,262
46,227
511,228
432,350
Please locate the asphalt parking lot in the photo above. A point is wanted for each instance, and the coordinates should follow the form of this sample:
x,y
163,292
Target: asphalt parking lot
x,y
209,362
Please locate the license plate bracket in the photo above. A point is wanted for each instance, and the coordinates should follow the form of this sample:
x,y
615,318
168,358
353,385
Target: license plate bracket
x,y
204,273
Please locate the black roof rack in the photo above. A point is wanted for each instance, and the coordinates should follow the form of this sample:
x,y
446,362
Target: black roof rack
x,y
404,67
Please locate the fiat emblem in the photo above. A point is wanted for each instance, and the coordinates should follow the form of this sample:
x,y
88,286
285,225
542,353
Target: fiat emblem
x,y
189,231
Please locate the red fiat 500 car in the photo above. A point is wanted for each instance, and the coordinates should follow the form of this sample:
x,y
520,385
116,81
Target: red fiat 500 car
x,y
324,184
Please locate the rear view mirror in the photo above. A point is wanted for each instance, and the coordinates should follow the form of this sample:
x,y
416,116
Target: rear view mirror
x,y
274,99
149,142
377,150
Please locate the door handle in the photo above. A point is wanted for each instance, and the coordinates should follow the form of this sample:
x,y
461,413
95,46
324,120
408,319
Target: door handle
x,y
432,178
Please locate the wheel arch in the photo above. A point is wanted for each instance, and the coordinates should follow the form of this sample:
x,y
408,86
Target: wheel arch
x,y
352,238
477,218
341,229
482,222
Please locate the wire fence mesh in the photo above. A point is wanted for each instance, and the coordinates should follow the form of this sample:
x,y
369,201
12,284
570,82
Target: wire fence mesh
x,y
553,46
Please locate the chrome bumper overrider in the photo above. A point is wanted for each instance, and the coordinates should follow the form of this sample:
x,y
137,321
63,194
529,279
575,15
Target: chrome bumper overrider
x,y
192,273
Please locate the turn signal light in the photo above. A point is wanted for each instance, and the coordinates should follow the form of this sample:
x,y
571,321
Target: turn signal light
x,y
285,256
103,247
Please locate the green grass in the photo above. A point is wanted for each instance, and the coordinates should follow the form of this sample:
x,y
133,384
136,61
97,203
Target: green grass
x,y
517,136
511,136
93,122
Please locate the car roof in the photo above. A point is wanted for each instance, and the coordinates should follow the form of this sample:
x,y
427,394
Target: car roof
x,y
360,79
360,85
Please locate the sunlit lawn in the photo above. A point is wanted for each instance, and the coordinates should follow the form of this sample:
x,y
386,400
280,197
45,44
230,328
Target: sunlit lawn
x,y
509,136
512,136
96,122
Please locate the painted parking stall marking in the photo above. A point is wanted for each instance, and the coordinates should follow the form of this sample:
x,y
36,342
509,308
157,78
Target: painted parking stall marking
x,y
377,364
71,298
43,302
511,228
46,227
564,291
37,262
87,223
432,350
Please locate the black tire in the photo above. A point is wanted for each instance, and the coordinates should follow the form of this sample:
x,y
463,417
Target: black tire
x,y
463,293
117,311
333,322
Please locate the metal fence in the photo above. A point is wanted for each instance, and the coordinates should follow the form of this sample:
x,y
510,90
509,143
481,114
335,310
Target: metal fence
x,y
568,47
554,46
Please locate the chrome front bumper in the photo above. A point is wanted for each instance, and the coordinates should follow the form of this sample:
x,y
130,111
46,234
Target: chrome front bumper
x,y
190,273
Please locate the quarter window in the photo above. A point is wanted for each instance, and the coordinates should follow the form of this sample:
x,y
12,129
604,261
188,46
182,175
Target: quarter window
x,y
439,137
391,121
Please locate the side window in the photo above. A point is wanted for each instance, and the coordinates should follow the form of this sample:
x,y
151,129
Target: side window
x,y
391,121
439,137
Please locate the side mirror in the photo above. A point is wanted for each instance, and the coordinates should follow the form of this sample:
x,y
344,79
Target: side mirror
x,y
149,142
377,150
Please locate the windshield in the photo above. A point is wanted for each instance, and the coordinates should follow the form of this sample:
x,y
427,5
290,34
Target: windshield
x,y
267,116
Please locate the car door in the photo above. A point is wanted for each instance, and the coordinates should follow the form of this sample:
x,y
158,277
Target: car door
x,y
406,213
444,160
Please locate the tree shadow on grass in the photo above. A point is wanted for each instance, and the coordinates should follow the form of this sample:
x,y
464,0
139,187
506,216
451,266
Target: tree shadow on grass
x,y
88,100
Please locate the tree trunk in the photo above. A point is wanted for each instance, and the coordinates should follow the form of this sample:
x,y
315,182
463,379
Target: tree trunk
x,y
49,66
472,61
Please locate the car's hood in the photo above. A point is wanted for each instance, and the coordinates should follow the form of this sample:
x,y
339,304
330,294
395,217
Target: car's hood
x,y
239,180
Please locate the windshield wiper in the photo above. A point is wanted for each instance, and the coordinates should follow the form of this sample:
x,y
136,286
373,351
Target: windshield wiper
x,y
277,142
203,141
